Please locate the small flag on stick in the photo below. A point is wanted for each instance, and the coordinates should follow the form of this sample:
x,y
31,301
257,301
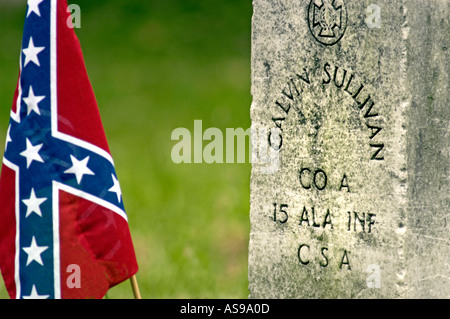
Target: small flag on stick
x,y
63,228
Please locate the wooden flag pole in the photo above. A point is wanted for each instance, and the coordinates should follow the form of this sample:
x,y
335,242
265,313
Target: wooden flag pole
x,y
134,285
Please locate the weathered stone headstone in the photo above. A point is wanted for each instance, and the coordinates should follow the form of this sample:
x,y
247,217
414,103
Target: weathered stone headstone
x,y
354,95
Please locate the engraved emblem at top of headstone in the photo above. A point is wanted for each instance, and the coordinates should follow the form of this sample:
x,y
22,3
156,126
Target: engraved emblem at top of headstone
x,y
327,20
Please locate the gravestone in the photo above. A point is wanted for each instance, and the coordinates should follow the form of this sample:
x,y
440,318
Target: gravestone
x,y
353,96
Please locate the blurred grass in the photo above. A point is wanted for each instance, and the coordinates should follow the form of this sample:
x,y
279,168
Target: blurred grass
x,y
156,66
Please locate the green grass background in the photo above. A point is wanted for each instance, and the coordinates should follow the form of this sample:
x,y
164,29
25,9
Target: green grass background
x,y
156,65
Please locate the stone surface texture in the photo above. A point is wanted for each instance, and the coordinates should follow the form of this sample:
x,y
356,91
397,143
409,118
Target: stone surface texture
x,y
371,114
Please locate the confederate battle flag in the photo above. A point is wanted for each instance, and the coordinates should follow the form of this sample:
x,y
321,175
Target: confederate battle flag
x,y
61,207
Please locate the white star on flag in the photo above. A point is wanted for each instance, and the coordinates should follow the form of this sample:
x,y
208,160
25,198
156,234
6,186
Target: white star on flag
x,y
79,168
31,53
34,252
32,101
35,295
33,204
116,188
31,153
33,6
8,137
